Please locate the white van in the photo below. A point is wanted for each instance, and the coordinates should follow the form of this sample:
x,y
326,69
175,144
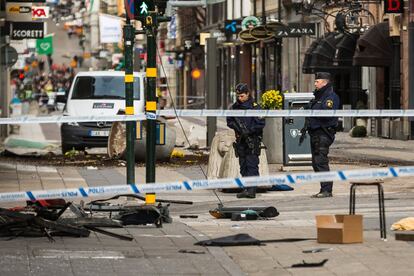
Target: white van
x,y
97,93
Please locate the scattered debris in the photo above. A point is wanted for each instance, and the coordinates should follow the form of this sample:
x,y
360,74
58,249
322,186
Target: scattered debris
x,y
317,250
24,147
243,240
191,251
188,216
245,215
176,153
405,224
305,264
43,218
280,187
404,235
72,154
136,214
234,240
15,223
249,212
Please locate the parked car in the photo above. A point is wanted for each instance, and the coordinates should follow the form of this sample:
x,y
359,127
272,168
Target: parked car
x,y
97,93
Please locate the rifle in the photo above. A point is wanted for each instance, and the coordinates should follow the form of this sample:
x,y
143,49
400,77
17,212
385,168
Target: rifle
x,y
303,131
242,128
253,144
306,124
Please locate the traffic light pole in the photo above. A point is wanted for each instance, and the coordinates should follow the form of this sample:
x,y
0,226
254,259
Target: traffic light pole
x,y
151,104
146,12
129,36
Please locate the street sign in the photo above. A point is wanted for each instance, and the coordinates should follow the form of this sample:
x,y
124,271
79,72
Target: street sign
x,y
45,46
19,11
232,26
296,30
39,12
8,55
393,6
245,36
22,30
142,9
260,32
250,22
130,8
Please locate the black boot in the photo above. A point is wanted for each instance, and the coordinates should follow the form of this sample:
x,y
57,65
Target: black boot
x,y
247,193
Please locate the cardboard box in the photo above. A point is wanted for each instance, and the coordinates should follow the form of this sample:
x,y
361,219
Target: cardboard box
x,y
339,228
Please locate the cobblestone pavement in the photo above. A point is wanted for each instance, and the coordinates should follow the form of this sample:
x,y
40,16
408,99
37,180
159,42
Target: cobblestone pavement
x,y
156,251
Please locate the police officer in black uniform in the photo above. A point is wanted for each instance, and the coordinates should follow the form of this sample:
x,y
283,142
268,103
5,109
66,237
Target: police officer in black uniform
x,y
249,132
322,129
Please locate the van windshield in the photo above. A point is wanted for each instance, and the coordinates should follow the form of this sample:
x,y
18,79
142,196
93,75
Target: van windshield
x,y
103,87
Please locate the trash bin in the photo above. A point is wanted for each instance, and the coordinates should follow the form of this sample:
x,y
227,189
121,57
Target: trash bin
x,y
293,153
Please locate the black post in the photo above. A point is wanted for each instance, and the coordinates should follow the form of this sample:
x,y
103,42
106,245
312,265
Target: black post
x,y
129,35
263,46
411,62
150,103
211,87
395,72
254,59
279,49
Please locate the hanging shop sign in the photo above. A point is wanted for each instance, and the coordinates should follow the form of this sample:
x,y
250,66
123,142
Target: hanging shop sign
x,y
26,1
22,30
232,26
260,32
110,28
40,12
296,30
245,36
44,46
393,6
19,11
250,22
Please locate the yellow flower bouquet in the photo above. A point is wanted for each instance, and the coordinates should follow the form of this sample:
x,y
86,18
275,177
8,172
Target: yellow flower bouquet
x,y
272,99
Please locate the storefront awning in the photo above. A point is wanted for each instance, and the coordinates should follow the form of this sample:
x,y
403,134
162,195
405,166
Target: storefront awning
x,y
374,48
306,69
346,50
332,51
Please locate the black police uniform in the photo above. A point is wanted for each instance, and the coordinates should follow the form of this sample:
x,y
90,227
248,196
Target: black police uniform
x,y
322,131
249,132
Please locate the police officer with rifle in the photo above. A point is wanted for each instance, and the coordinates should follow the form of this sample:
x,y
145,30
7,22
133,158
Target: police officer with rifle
x,y
321,129
249,132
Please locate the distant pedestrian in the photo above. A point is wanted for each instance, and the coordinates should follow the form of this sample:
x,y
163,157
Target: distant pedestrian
x,y
249,133
322,130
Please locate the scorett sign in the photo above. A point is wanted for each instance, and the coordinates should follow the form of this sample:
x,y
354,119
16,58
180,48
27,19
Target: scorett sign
x,y
26,1
22,30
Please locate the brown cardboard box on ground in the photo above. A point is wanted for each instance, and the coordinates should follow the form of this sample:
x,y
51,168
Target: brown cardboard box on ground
x,y
339,228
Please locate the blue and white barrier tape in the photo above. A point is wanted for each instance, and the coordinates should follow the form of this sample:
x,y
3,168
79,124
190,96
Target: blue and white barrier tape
x,y
288,113
70,119
193,185
211,113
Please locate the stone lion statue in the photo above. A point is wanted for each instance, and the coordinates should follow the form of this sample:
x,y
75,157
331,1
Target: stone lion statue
x,y
223,163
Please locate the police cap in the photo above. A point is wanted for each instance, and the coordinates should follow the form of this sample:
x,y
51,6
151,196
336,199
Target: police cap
x,y
242,88
323,76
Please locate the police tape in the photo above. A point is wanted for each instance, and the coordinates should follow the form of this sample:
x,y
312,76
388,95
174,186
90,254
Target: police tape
x,y
287,113
29,119
194,185
210,113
